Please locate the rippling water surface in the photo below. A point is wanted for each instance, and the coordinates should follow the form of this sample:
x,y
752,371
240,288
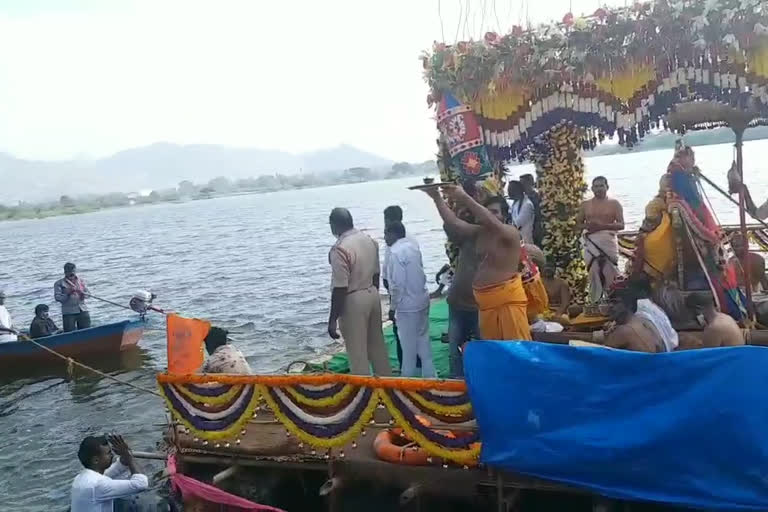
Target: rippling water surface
x,y
256,264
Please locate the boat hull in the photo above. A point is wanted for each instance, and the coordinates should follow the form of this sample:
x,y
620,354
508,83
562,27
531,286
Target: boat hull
x,y
110,338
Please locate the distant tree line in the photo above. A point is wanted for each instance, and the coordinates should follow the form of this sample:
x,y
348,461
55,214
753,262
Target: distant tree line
x,y
220,186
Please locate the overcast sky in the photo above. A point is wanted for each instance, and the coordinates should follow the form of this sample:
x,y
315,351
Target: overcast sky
x,y
87,78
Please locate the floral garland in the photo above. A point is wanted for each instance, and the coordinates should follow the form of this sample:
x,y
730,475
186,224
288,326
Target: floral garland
x,y
601,46
560,174
617,72
213,395
344,413
321,379
307,397
210,429
324,437
460,409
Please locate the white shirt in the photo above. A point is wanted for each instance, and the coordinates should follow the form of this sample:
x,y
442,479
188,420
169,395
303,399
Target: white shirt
x,y
522,214
654,314
407,281
387,252
6,321
226,359
94,492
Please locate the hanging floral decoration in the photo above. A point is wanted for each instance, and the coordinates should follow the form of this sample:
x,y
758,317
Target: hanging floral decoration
x,y
326,415
560,175
616,73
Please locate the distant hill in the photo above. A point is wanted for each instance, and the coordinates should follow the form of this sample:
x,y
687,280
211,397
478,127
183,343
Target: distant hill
x,y
164,165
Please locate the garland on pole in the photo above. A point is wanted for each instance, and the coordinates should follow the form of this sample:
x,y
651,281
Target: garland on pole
x,y
560,171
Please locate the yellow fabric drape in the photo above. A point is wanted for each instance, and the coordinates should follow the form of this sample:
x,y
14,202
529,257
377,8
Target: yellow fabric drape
x,y
502,311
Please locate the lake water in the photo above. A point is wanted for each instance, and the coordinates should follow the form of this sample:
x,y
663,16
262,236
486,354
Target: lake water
x,y
257,264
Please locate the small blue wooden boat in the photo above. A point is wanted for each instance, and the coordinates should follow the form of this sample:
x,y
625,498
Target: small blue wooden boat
x,y
110,338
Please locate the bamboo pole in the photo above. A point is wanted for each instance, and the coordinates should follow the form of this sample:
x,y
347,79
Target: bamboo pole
x,y
743,218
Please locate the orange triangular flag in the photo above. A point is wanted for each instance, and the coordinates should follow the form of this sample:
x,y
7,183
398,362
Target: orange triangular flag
x,y
185,343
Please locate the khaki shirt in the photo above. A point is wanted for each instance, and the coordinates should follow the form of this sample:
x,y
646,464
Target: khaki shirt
x,y
354,260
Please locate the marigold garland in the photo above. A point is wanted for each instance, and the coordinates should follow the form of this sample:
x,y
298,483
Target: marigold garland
x,y
329,401
212,400
446,410
560,171
468,456
335,442
229,432
407,384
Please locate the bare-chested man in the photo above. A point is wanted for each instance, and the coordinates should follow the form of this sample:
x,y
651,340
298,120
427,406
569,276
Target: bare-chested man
x,y
599,219
498,288
632,331
752,262
720,330
558,291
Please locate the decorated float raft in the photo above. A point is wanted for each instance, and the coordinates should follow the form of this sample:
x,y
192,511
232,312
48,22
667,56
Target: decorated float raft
x,y
531,415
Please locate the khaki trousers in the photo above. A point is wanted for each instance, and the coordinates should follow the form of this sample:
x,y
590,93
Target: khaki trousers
x,y
360,326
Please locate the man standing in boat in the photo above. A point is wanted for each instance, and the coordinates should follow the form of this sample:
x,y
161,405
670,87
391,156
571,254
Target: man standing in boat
x,y
5,322
393,214
355,301
410,300
71,292
498,287
600,219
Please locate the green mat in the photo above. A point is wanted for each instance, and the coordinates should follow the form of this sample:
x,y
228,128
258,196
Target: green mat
x,y
438,324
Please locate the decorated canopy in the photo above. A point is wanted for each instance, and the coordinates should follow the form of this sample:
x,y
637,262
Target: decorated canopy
x,y
618,71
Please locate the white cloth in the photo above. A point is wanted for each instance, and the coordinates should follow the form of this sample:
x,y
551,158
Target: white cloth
x,y
654,314
522,214
413,330
94,492
226,359
6,321
407,281
601,255
762,211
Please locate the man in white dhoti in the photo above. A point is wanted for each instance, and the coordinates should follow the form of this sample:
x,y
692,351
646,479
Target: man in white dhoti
x,y
410,300
600,219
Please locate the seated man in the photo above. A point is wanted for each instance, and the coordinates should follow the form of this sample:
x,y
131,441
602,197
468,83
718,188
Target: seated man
x,y
755,265
223,357
42,325
720,330
558,291
631,331
97,487
654,314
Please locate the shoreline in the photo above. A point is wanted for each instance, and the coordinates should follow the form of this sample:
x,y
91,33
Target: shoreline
x,y
81,210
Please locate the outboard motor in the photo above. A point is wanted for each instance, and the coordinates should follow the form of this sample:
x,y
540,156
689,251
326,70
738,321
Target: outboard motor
x,y
141,302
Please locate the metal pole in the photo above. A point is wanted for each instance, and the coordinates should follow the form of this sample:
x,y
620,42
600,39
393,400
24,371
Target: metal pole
x,y
743,219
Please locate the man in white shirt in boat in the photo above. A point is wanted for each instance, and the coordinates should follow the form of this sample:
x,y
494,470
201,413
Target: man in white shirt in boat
x,y
600,219
97,486
6,322
355,300
393,214
71,292
410,300
522,213
223,357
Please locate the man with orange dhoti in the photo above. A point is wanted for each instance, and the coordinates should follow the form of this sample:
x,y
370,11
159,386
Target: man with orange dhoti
x,y
498,286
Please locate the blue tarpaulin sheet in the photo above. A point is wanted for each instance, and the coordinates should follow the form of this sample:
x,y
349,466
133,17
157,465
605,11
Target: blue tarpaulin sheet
x,y
685,428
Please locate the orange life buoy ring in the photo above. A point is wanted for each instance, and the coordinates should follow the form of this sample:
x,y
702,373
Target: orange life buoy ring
x,y
409,454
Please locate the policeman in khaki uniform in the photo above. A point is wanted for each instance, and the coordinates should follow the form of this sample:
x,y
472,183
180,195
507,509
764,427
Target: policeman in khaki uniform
x,y
355,301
